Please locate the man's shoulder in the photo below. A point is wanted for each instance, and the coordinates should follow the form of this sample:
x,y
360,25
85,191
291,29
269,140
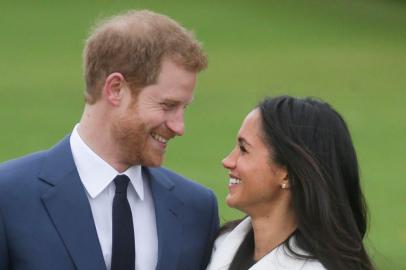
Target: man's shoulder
x,y
28,165
177,179
22,164
183,186
199,202
17,176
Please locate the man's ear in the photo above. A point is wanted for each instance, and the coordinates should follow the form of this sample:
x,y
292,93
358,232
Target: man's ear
x,y
113,88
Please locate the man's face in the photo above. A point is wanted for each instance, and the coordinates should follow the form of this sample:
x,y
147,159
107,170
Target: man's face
x,y
154,116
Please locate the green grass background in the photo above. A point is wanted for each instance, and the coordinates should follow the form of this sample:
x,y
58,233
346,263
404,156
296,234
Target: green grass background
x,y
351,53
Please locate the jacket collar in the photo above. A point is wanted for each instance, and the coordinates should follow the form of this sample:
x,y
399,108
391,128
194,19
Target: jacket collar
x,y
227,245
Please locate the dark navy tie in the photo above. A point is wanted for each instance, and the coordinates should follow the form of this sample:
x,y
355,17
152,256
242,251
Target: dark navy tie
x,y
123,253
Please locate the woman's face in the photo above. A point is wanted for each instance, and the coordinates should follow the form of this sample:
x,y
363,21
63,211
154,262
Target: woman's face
x,y
255,180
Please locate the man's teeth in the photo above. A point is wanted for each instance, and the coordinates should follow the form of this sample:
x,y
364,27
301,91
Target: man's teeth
x,y
234,181
159,138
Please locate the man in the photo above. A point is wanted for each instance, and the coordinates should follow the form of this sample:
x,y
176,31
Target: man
x,y
94,201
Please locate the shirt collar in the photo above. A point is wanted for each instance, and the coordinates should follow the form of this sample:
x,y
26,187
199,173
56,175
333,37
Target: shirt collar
x,y
96,174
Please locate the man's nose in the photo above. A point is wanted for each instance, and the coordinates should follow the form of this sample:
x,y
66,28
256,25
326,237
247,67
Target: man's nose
x,y
177,124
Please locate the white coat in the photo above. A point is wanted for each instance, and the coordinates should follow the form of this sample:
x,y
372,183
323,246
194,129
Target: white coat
x,y
279,258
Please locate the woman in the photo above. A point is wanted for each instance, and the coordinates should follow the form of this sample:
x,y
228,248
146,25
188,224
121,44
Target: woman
x,y
294,172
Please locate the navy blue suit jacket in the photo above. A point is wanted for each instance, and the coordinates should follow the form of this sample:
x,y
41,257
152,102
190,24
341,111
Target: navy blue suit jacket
x,y
46,221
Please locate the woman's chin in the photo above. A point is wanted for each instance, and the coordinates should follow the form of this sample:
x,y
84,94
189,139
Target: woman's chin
x,y
231,201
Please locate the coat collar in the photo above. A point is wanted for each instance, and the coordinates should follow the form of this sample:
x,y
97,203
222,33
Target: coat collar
x,y
69,209
227,245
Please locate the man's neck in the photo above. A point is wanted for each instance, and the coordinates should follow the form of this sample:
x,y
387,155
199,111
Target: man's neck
x,y
95,132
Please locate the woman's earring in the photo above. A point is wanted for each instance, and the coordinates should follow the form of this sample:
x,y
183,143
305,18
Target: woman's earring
x,y
284,185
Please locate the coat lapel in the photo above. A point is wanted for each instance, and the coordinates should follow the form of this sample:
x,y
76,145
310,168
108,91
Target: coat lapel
x,y
227,245
279,259
168,212
69,209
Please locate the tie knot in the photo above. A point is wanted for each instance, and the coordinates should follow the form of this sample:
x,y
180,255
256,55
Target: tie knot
x,y
121,182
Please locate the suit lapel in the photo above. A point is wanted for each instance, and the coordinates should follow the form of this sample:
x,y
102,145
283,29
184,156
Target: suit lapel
x,y
69,209
168,210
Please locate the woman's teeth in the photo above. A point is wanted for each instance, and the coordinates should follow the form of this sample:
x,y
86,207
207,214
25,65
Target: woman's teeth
x,y
159,138
234,181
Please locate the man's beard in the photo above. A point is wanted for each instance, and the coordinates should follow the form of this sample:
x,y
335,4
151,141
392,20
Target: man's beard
x,y
130,135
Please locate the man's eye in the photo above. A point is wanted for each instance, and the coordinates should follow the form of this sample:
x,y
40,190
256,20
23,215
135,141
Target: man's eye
x,y
167,105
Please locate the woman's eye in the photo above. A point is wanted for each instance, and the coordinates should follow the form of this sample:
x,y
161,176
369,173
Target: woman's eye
x,y
243,149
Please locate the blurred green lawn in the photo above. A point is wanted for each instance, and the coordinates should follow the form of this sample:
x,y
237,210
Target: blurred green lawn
x,y
349,53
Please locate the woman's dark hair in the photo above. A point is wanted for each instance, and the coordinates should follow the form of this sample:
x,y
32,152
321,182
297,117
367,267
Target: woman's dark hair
x,y
310,139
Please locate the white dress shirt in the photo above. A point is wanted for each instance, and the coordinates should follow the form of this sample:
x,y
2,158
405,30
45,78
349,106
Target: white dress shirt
x,y
280,258
97,177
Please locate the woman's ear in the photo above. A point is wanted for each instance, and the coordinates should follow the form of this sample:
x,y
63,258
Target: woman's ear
x,y
285,184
